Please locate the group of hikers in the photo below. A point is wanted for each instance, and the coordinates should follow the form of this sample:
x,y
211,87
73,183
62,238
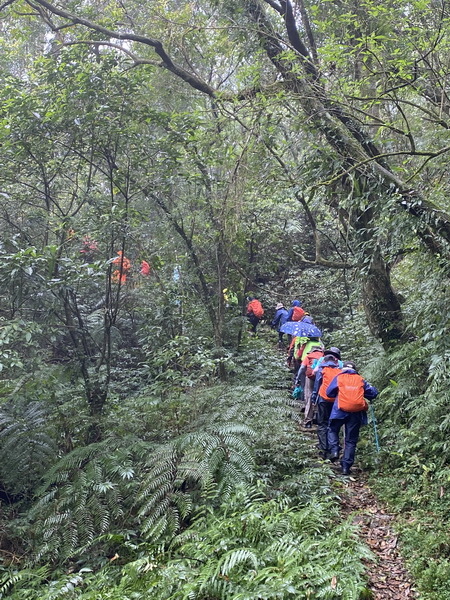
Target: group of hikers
x,y
335,395
121,268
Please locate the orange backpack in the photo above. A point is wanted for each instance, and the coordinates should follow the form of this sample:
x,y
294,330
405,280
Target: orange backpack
x,y
351,392
298,313
309,360
328,374
256,308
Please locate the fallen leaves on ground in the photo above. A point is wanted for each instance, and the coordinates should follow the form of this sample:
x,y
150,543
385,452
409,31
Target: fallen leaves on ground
x,y
387,575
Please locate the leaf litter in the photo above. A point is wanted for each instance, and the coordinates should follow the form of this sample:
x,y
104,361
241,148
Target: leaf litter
x,y
387,575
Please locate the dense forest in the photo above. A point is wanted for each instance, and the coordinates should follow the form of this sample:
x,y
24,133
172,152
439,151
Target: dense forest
x,y
152,155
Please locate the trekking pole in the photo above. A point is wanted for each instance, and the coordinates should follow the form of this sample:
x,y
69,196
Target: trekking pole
x,y
375,429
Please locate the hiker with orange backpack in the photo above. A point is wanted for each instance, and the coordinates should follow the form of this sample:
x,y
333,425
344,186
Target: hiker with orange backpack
x,y
350,391
295,352
306,377
254,312
299,348
329,368
122,266
296,312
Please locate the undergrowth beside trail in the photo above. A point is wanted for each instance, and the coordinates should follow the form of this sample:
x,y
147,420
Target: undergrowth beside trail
x,y
209,494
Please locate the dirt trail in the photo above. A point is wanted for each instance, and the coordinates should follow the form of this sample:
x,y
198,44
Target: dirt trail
x,y
388,576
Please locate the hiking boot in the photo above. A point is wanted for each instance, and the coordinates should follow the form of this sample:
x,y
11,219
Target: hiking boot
x,y
334,457
345,470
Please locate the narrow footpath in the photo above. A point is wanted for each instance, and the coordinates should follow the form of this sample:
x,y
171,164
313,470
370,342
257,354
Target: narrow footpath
x,y
388,578
387,575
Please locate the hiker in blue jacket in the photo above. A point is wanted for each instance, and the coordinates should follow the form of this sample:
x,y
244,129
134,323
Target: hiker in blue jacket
x,y
328,368
349,409
293,314
279,319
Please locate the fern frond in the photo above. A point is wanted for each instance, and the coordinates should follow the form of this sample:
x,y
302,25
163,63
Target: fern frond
x,y
27,446
237,558
82,498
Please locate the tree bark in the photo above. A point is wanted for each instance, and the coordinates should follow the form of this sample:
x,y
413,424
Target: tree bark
x,y
381,304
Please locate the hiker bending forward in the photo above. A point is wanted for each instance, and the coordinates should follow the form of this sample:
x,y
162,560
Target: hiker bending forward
x,y
279,320
349,409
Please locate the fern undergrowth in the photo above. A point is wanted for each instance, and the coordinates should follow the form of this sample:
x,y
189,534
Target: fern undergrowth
x,y
211,494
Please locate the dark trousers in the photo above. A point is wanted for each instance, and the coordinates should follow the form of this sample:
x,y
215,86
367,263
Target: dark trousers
x,y
352,423
254,321
323,416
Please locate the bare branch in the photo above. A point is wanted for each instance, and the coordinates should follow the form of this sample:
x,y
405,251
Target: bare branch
x,y
433,118
7,3
275,6
136,59
322,262
394,179
157,45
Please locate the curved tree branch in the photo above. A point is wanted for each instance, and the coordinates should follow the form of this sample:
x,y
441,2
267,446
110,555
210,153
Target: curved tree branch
x,y
295,40
157,45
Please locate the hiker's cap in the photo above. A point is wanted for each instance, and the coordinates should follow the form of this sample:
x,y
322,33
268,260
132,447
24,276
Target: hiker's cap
x,y
349,364
333,351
